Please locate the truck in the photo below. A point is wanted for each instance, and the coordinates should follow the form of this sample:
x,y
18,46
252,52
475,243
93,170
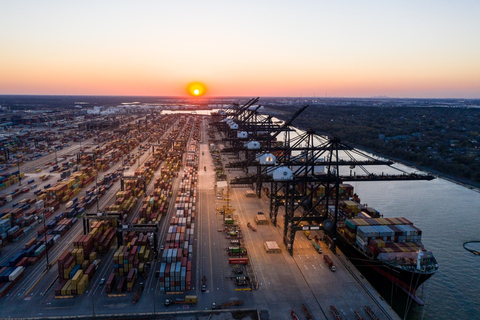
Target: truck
x,y
316,244
237,269
204,284
238,261
251,227
241,281
329,262
227,304
187,299
236,251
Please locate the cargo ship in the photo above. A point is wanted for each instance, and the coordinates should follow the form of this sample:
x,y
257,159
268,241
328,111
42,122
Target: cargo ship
x,y
389,247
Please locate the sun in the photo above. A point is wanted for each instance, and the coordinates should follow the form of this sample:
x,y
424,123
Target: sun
x,y
196,89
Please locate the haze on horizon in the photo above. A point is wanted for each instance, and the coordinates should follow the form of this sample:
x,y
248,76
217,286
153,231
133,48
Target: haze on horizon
x,y
426,49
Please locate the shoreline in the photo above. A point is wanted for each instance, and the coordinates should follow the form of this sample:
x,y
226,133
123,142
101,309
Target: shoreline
x,y
468,185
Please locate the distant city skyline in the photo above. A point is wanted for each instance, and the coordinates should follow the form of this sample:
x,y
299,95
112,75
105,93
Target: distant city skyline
x,y
398,49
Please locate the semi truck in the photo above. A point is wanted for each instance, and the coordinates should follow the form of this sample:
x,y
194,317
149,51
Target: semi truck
x,y
204,284
227,304
329,262
184,300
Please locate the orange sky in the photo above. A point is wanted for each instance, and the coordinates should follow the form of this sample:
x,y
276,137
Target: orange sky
x,y
400,49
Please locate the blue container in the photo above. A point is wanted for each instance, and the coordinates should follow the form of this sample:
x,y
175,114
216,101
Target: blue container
x,y
74,270
5,274
51,224
30,251
16,258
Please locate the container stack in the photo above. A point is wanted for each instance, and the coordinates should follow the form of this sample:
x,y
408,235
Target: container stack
x,y
65,191
8,179
384,235
77,266
125,201
176,267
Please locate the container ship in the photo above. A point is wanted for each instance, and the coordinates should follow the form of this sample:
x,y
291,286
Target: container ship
x,y
390,247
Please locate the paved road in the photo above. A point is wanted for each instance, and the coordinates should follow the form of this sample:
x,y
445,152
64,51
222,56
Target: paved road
x,y
286,282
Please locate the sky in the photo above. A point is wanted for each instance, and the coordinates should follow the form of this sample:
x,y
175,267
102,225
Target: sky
x,y
405,49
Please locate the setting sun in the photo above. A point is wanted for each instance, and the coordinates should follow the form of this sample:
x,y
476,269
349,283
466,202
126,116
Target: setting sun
x,y
196,89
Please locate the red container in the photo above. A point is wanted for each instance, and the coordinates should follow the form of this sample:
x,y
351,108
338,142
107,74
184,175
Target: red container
x,y
131,274
121,285
22,263
238,260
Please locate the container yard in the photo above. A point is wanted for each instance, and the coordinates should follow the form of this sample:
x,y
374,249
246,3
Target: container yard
x,y
130,220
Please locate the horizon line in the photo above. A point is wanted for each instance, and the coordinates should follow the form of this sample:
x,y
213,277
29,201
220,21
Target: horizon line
x,y
227,97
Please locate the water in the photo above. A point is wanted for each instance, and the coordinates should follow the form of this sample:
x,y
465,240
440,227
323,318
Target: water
x,y
449,215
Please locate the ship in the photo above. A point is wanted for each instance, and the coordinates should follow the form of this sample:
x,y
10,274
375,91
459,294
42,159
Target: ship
x,y
386,247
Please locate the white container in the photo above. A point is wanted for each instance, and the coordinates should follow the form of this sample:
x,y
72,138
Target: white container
x,y
15,274
39,204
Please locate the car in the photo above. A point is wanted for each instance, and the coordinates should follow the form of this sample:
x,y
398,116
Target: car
x,y
102,281
162,247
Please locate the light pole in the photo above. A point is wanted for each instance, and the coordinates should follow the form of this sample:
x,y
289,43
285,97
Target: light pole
x,y
55,148
154,289
45,233
96,188
19,177
93,307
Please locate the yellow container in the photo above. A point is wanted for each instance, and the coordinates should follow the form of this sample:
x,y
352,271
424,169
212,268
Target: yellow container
x,y
92,257
65,288
84,279
78,275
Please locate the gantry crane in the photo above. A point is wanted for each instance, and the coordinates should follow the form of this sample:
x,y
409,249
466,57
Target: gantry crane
x,y
301,167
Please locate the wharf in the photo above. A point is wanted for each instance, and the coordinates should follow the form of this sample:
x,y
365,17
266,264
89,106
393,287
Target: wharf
x,y
287,282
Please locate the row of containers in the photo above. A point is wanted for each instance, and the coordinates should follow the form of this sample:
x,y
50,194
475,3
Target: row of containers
x,y
175,272
128,260
102,157
34,250
394,234
176,267
8,179
64,191
156,205
133,257
17,224
77,266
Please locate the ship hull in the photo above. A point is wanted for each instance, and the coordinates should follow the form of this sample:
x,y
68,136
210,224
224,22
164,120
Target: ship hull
x,y
408,281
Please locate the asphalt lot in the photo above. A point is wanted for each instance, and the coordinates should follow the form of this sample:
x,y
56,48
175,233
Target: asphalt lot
x,y
285,282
